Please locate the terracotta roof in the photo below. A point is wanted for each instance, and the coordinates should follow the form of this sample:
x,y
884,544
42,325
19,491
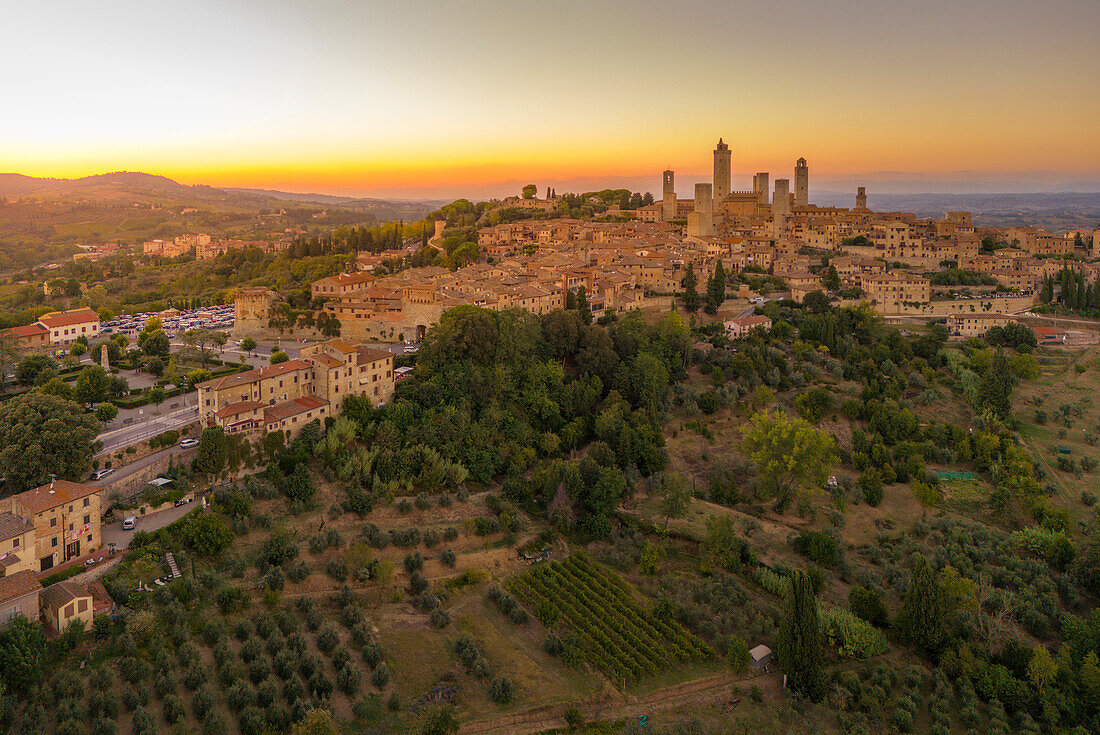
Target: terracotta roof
x,y
340,345
18,585
239,407
12,525
371,354
67,318
326,360
54,494
30,330
62,593
293,407
270,371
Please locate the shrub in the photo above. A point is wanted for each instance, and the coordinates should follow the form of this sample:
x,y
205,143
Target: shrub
x,y
320,686
448,558
817,546
501,690
373,654
439,618
381,676
348,679
871,485
867,605
337,569
240,696
413,562
327,638
173,708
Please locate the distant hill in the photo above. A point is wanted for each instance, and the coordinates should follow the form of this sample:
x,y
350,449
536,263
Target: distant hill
x,y
44,219
314,198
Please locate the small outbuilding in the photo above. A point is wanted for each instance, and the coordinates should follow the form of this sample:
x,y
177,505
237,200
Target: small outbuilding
x,y
760,656
64,602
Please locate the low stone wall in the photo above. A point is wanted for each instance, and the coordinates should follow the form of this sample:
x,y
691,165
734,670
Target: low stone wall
x,y
999,305
133,483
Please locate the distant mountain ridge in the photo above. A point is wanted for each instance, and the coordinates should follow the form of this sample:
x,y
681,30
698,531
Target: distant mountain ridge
x,y
18,184
314,198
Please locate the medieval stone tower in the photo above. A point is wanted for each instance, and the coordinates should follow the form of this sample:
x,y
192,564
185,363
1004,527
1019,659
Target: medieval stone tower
x,y
668,198
781,202
861,197
251,310
721,171
701,220
761,186
801,183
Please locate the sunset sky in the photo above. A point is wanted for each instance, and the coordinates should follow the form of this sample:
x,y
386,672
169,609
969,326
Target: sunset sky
x,y
468,97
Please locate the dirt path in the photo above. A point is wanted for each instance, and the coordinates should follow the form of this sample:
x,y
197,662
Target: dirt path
x,y
719,688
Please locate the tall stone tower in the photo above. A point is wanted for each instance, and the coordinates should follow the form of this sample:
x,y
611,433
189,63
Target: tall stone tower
x,y
781,202
801,183
761,186
701,220
668,199
861,197
721,171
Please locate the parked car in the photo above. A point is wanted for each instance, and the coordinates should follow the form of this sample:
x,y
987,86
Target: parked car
x,y
103,473
183,501
130,523
189,443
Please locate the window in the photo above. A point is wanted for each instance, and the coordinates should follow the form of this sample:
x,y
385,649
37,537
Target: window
x,y
70,507
87,502
82,604
15,544
87,520
53,522
68,610
53,541
89,538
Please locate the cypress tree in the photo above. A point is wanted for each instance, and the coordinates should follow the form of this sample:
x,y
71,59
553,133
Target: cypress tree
x,y
923,611
691,295
582,306
1046,294
716,288
799,641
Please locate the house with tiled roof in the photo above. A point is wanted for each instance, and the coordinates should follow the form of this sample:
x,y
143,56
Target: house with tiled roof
x,y
270,384
66,519
290,416
19,596
29,337
341,369
17,544
65,326
64,602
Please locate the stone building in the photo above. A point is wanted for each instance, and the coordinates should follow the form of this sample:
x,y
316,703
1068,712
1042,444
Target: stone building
x,y
19,596
721,171
66,518
252,309
668,197
64,602
801,183
888,292
17,545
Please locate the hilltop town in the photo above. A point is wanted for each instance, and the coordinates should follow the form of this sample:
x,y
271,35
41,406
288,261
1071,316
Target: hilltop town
x,y
595,463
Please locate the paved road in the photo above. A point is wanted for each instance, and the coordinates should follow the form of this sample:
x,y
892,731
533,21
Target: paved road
x,y
121,473
151,426
151,522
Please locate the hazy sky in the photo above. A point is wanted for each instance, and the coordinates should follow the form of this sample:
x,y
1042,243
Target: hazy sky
x,y
415,97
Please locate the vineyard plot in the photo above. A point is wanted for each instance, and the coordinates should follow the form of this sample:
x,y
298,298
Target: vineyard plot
x,y
600,610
